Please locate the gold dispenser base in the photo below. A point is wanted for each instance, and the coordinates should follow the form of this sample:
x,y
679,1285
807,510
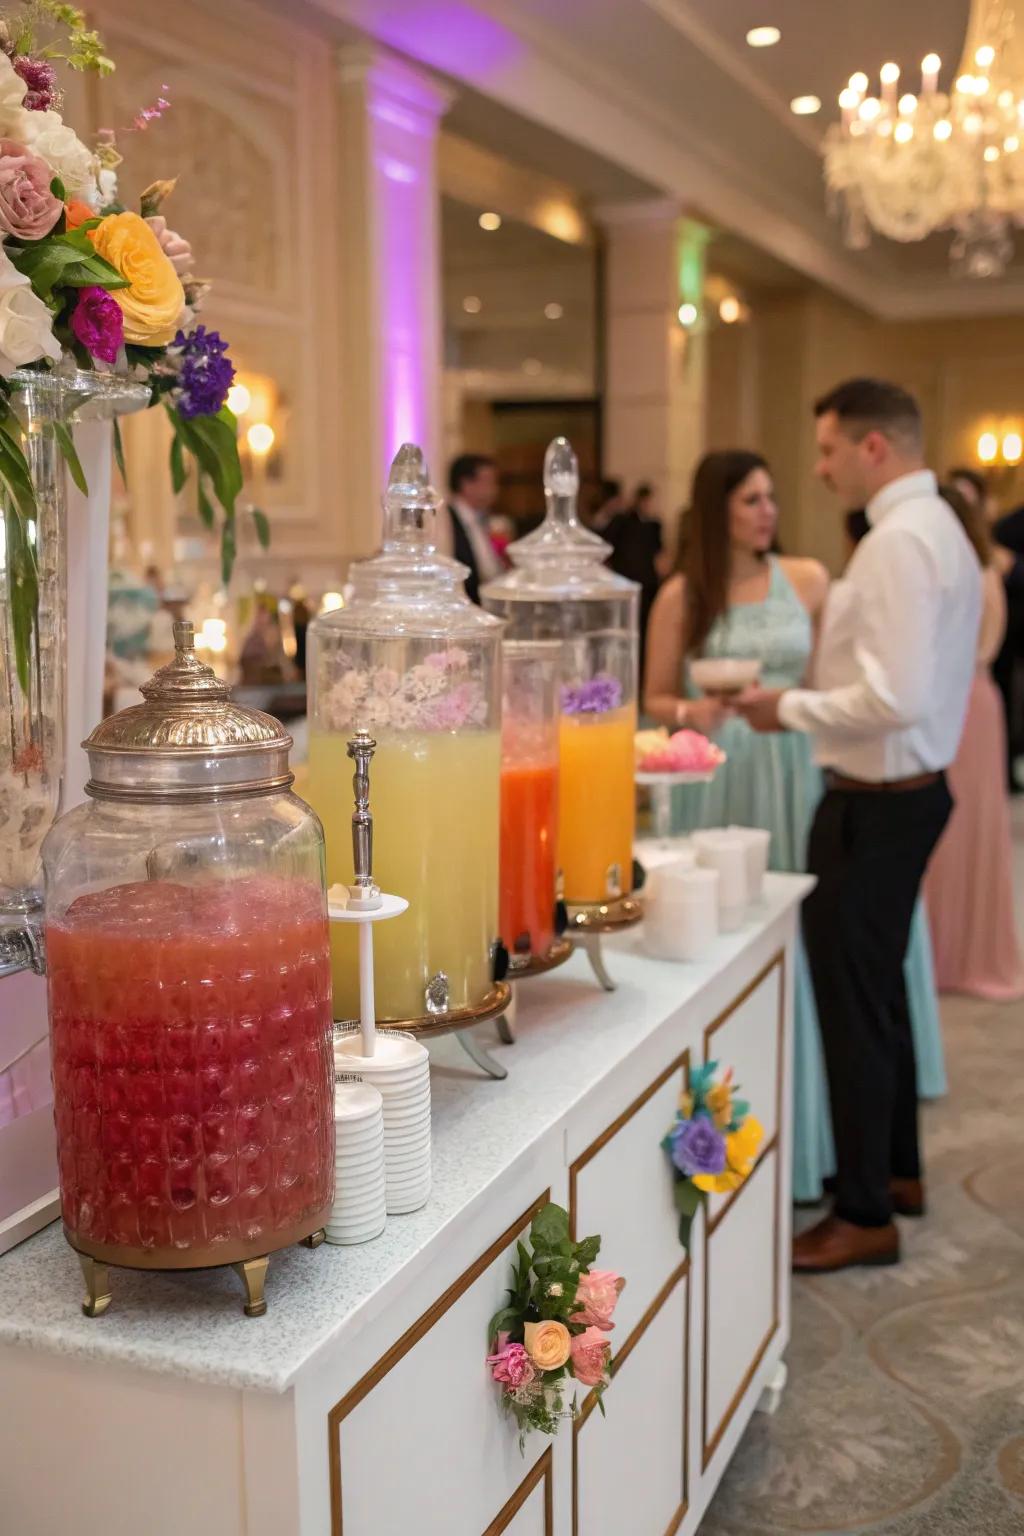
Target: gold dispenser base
x,y
590,921
539,965
97,1259
429,1025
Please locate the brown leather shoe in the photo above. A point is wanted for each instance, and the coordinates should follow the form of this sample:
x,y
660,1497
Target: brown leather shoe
x,y
836,1244
907,1197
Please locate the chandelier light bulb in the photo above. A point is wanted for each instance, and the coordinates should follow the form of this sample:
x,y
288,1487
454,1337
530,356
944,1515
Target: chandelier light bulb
x,y
1005,99
1011,144
965,85
848,100
904,133
984,56
889,74
885,128
687,314
981,84
943,129
869,108
991,153
931,64
908,105
859,82
805,106
988,447
1013,447
974,122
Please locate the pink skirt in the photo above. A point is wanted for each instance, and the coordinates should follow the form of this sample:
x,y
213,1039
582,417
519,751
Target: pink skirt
x,y
969,884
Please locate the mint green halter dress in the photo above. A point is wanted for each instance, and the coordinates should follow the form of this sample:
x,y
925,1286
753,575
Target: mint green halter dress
x,y
772,781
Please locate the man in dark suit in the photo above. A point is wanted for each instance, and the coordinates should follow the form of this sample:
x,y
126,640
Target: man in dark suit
x,y
473,486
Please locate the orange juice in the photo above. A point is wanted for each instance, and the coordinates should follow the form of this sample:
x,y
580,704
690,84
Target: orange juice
x,y
596,812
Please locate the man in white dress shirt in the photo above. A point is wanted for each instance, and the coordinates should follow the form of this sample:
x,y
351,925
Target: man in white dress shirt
x,y
894,668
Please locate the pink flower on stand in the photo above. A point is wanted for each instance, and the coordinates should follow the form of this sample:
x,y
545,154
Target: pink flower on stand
x,y
590,1355
98,324
512,1366
596,1298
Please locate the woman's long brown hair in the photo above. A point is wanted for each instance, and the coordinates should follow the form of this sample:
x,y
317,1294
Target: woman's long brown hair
x,y
974,524
704,544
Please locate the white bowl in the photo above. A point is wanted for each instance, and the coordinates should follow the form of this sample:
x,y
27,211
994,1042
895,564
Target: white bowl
x,y
724,674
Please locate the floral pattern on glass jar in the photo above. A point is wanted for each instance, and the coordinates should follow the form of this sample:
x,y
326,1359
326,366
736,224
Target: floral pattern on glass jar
x,y
439,693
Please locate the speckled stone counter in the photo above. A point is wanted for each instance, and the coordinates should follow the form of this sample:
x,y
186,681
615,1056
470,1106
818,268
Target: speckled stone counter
x,y
368,1353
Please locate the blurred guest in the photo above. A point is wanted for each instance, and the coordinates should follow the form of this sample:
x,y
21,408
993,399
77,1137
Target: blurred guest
x,y
610,502
969,884
733,598
636,540
262,659
473,483
1008,537
894,670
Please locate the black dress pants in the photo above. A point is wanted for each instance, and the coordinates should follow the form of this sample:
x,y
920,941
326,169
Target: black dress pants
x,y
869,851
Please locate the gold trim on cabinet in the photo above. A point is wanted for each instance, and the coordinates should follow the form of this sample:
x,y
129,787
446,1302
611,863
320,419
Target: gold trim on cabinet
x,y
541,1471
678,1276
680,1064
398,1350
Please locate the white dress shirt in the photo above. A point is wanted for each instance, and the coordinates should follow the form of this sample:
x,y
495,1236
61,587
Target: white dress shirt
x,y
897,652
488,561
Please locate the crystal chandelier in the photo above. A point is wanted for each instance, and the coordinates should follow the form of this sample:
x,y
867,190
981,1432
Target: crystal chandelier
x,y
907,165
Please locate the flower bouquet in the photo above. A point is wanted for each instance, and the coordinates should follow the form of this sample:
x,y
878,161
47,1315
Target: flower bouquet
x,y
553,1330
89,286
713,1143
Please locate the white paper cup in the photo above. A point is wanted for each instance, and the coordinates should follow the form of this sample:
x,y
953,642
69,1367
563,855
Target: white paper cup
x,y
757,842
728,855
683,924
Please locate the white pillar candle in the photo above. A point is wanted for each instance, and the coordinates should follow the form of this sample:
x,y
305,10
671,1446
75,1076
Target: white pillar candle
x,y
728,856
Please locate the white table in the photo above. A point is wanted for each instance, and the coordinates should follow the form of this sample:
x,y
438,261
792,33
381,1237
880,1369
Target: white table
x,y
360,1404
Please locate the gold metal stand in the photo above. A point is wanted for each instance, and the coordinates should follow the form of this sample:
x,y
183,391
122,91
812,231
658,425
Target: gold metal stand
x,y
536,965
460,1021
97,1286
589,922
253,1275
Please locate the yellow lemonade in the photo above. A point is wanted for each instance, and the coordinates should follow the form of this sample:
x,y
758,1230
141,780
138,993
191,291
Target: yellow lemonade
x,y
597,809
435,803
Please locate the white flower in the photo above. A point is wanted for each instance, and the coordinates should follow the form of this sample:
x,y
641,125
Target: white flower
x,y
13,116
26,325
47,135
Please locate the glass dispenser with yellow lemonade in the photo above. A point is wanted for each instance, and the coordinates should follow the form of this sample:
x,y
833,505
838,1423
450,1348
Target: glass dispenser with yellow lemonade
x,y
413,662
560,589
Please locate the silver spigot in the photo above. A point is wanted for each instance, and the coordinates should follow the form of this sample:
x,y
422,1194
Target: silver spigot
x,y
22,947
362,893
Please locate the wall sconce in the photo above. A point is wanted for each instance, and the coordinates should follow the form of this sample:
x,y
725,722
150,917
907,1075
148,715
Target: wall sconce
x,y
1001,451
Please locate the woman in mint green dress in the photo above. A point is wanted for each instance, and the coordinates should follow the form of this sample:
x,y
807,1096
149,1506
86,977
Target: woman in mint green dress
x,y
732,597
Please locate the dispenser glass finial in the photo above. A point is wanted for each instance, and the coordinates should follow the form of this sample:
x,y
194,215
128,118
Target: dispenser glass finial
x,y
561,472
410,503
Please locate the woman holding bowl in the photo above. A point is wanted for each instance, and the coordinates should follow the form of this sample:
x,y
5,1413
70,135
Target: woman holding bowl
x,y
733,600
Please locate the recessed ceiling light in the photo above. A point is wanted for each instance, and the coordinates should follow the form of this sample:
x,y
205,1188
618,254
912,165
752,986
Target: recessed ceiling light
x,y
489,221
763,37
553,311
805,106
472,305
532,365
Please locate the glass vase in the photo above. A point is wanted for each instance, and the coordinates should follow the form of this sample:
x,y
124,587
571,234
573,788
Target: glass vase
x,y
33,638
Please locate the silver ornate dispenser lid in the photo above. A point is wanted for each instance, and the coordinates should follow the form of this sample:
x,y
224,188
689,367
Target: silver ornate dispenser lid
x,y
188,741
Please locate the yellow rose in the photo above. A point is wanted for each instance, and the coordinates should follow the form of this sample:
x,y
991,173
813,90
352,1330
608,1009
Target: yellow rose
x,y
686,1104
152,305
547,1344
719,1101
740,1152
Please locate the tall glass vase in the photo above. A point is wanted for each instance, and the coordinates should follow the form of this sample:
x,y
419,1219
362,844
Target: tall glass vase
x,y
33,647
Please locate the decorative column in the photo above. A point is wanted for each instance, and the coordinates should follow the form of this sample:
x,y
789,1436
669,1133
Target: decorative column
x,y
655,367
388,198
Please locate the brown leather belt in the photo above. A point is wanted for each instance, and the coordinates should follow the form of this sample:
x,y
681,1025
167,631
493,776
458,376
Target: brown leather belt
x,y
849,786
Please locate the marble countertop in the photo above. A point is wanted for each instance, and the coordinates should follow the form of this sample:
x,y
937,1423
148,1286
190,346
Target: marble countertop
x,y
190,1324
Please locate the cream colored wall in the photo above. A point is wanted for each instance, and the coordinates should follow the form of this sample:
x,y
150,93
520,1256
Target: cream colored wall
x,y
251,134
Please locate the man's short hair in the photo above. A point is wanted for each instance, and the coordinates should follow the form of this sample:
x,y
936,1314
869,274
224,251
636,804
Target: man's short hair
x,y
466,467
873,405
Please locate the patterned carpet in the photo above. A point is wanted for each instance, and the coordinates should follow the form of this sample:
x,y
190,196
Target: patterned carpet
x,y
904,1413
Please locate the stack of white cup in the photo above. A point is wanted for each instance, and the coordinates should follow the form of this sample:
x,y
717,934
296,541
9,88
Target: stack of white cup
x,y
757,842
727,853
680,911
400,1071
360,1210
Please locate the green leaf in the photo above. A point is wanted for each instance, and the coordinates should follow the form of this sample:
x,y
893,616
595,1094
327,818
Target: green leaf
x,y
178,467
587,1251
66,444
685,1226
687,1197
119,453
227,550
262,523
58,190
550,1227
206,512
502,1322
213,442
64,261
24,590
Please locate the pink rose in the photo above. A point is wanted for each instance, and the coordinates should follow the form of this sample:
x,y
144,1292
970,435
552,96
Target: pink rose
x,y
512,1365
590,1356
596,1298
28,209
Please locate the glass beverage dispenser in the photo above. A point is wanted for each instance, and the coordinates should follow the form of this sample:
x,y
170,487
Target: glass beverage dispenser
x,y
561,590
188,968
410,660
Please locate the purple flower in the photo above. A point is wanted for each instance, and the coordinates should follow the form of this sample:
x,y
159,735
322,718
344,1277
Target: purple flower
x,y
697,1146
41,79
98,323
595,697
205,372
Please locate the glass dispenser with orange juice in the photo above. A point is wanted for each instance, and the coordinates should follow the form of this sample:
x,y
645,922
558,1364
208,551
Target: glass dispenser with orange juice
x,y
560,589
412,661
